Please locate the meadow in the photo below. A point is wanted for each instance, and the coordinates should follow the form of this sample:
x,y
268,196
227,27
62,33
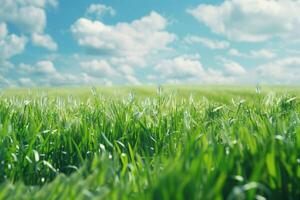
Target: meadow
x,y
171,142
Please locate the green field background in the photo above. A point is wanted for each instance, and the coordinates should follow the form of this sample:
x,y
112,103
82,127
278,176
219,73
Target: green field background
x,y
169,142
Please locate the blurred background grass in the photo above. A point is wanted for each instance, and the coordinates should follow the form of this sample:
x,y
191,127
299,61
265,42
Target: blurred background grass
x,y
211,92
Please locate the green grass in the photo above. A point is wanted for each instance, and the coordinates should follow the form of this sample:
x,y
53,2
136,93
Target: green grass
x,y
196,142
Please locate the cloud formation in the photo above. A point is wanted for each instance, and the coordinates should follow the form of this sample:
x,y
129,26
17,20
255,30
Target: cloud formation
x,y
44,40
255,54
138,38
286,70
251,20
100,68
29,16
10,44
232,67
99,10
211,44
45,73
189,69
122,46
149,48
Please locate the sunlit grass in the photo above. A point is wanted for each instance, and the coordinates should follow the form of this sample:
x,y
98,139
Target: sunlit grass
x,y
145,143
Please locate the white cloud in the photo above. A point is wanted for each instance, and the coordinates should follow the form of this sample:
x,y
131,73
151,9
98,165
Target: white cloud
x,y
235,52
255,54
46,67
43,67
180,68
102,69
132,80
26,82
24,68
138,38
5,65
126,69
99,10
130,60
43,73
5,68
53,3
47,73
285,70
3,30
4,82
212,44
86,79
183,69
151,77
44,40
123,46
251,20
10,44
99,68
233,68
29,16
36,3
262,53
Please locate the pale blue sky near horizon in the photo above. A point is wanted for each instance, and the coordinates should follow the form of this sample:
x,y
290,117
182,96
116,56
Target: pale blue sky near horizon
x,y
113,42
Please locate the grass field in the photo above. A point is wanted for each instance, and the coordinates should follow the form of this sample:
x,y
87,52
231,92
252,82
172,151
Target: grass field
x,y
197,142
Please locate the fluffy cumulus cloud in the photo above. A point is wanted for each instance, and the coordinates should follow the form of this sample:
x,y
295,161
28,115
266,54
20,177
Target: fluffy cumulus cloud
x,y
3,30
44,40
46,67
189,69
180,68
27,82
99,10
132,80
45,73
285,70
212,44
232,68
145,51
138,38
10,44
5,66
251,20
100,68
123,46
4,82
255,54
29,16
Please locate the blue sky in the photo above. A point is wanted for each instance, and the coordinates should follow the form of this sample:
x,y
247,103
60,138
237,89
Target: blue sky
x,y
133,42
